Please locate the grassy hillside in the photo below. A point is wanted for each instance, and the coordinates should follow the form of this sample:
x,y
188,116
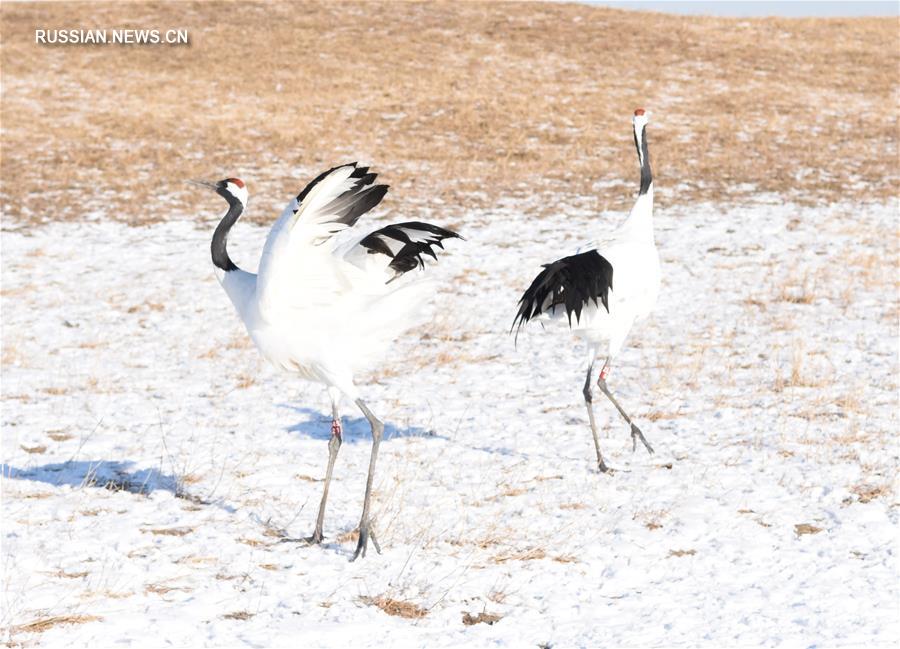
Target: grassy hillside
x,y
459,102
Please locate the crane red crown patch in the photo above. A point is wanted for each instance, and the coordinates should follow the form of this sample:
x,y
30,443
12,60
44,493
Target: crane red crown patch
x,y
240,183
638,112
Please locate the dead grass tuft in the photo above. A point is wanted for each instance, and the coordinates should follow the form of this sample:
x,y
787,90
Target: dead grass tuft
x,y
146,306
651,519
161,589
238,342
799,291
497,596
484,542
347,537
806,528
170,531
245,381
307,478
195,560
682,553
36,450
868,492
253,543
238,615
657,415
39,626
396,607
531,554
115,595
70,575
482,618
12,356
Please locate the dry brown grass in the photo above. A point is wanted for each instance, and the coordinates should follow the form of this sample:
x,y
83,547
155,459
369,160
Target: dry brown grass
x,y
492,539
43,624
162,589
461,102
69,575
530,554
307,478
806,528
482,618
38,496
34,449
351,536
254,543
245,381
11,356
146,306
652,519
396,607
170,531
868,492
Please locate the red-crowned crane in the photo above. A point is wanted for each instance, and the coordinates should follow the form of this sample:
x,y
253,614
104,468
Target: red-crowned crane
x,y
329,298
607,288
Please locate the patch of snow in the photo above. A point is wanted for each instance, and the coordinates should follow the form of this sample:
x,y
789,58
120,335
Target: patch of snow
x,y
151,459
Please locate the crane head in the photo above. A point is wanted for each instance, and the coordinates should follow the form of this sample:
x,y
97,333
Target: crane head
x,y
231,189
641,117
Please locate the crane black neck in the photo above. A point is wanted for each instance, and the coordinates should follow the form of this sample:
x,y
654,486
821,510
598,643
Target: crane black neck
x,y
644,158
220,256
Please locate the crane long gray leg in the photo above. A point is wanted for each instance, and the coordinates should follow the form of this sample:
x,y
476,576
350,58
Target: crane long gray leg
x,y
588,399
334,445
636,433
364,529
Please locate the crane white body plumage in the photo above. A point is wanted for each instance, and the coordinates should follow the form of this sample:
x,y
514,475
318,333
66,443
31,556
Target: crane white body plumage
x,y
329,298
605,287
631,250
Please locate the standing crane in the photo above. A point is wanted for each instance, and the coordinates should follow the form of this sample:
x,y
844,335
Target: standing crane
x,y
329,298
582,285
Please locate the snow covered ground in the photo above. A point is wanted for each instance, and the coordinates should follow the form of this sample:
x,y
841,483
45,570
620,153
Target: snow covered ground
x,y
152,462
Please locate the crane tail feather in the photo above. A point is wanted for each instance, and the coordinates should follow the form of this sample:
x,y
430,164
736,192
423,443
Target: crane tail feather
x,y
571,283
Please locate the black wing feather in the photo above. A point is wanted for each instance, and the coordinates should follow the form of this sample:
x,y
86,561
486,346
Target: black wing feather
x,y
409,256
572,282
354,202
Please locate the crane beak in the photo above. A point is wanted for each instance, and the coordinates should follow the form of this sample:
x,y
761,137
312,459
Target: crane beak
x,y
203,183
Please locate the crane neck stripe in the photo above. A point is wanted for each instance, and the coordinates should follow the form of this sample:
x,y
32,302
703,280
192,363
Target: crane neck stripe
x,y
640,143
220,237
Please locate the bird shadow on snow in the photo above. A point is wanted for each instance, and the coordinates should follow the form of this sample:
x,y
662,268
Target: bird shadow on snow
x,y
113,475
355,429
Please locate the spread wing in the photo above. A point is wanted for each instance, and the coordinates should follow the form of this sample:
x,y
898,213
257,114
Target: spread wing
x,y
401,246
297,268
